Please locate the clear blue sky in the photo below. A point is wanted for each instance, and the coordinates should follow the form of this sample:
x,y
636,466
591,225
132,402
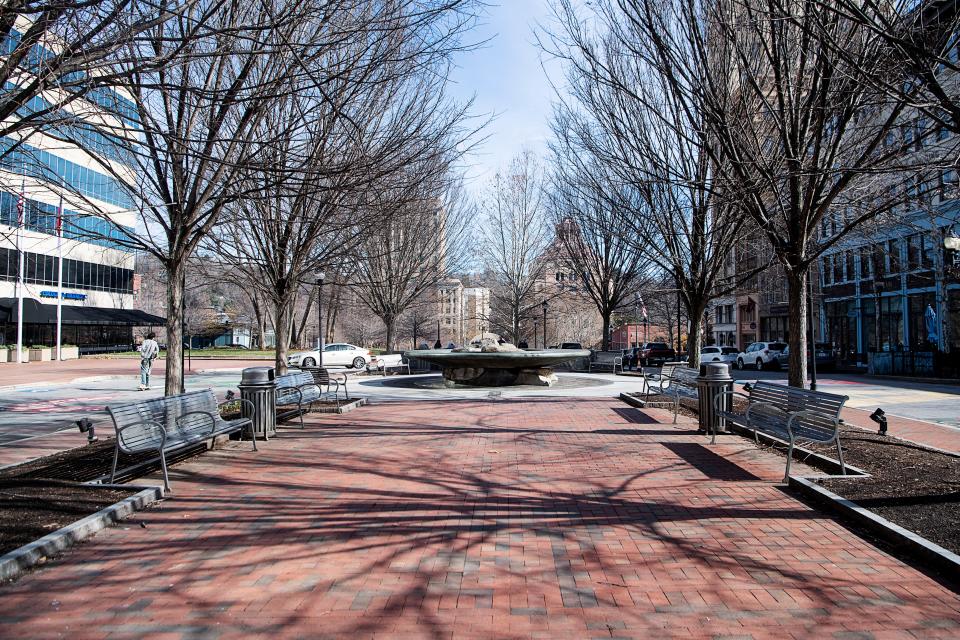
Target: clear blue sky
x,y
508,81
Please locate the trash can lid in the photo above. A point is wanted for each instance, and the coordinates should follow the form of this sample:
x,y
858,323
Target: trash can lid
x,y
257,375
717,371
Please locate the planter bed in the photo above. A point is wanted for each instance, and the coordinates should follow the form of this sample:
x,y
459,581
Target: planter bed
x,y
31,508
912,486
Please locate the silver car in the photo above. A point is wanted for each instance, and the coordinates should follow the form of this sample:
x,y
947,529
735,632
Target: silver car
x,y
719,354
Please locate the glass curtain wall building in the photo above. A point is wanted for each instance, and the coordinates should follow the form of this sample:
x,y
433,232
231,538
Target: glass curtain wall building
x,y
64,188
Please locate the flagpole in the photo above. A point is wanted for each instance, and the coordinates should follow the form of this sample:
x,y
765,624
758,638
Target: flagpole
x,y
60,278
20,207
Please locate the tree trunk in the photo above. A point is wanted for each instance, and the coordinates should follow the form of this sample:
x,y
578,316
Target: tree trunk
x,y
281,329
797,323
390,324
694,339
302,328
605,341
173,381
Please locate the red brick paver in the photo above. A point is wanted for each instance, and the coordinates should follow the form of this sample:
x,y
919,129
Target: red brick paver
x,y
535,518
934,435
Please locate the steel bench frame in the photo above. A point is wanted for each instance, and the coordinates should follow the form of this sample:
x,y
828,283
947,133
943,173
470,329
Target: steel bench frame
x,y
171,423
789,413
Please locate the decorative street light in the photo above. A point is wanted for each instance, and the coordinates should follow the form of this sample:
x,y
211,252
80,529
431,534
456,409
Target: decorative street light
x,y
320,278
544,305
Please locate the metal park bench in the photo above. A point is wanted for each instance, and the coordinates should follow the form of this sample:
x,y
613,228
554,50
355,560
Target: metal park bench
x,y
789,413
170,424
603,360
659,381
296,393
333,382
675,379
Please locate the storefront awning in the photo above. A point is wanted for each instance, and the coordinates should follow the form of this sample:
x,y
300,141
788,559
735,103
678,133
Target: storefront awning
x,y
35,312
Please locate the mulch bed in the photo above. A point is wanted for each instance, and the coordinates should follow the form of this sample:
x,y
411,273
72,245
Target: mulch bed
x,y
911,485
915,487
30,508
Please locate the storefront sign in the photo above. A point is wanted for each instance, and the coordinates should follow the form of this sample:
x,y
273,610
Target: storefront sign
x,y
65,296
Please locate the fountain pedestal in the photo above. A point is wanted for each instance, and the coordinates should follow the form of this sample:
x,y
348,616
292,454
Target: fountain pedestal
x,y
498,377
498,365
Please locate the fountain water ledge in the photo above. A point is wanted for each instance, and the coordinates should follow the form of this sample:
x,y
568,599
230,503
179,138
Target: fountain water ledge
x,y
493,364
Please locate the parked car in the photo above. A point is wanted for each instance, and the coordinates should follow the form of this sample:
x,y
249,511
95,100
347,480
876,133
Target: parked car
x,y
826,357
719,354
571,345
760,355
656,353
337,354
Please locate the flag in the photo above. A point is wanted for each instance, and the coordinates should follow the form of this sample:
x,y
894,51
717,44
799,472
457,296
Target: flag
x,y
643,309
60,218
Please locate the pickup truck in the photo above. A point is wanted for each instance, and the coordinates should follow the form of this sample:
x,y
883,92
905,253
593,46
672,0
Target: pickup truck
x,y
656,353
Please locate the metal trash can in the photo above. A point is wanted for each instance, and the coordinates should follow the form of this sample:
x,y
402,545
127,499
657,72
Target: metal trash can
x,y
714,378
258,385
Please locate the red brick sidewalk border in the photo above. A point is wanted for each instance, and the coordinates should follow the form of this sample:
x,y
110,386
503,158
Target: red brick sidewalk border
x,y
928,433
546,518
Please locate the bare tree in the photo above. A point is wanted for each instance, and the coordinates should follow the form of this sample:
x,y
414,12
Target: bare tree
x,y
514,234
648,133
60,54
792,134
423,237
594,231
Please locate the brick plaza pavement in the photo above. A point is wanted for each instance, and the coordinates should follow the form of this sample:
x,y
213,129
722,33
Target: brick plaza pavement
x,y
553,518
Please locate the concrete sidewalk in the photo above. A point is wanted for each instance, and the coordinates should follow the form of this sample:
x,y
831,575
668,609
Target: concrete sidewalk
x,y
552,518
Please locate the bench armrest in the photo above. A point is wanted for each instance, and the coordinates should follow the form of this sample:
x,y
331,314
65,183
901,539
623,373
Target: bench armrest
x,y
213,421
289,390
152,423
716,399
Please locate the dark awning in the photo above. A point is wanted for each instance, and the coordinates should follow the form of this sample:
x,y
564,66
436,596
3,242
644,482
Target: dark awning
x,y
35,312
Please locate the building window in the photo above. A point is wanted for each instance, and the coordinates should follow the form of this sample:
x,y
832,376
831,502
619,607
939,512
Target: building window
x,y
893,256
866,271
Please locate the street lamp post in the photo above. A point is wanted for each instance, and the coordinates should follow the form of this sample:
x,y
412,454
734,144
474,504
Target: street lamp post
x,y
320,278
813,343
535,332
544,305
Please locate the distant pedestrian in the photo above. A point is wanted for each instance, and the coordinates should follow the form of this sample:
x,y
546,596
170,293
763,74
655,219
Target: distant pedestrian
x,y
149,351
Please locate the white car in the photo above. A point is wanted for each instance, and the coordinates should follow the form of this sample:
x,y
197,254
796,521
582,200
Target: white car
x,y
760,354
719,354
334,355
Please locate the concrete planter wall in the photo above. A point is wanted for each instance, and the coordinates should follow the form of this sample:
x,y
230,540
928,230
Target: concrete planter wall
x,y
12,354
69,353
40,355
4,355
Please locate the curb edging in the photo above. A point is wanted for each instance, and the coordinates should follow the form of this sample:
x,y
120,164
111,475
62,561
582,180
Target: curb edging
x,y
929,553
19,560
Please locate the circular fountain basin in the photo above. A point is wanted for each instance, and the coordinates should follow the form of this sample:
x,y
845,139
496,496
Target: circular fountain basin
x,y
501,368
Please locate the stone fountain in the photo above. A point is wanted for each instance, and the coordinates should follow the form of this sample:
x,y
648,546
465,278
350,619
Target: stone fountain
x,y
488,362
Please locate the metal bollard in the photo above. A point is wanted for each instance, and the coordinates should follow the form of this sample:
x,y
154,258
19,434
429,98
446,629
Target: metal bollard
x,y
714,378
257,384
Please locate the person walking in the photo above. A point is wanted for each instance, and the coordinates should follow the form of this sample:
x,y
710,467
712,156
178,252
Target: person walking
x,y
149,351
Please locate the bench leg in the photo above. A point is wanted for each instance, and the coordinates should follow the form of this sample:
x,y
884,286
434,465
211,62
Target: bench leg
x,y
843,467
116,457
253,436
163,465
676,408
786,474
